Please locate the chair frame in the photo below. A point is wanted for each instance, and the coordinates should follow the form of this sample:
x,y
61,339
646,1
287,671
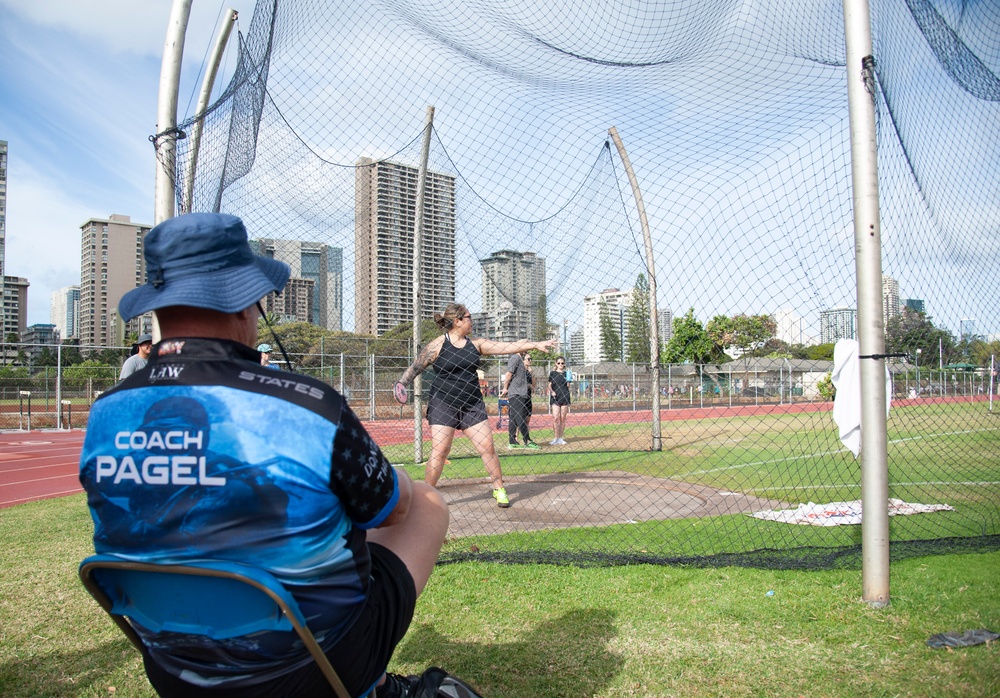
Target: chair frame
x,y
285,603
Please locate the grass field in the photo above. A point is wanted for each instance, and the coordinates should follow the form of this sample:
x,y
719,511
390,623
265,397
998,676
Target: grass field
x,y
945,453
525,631
533,630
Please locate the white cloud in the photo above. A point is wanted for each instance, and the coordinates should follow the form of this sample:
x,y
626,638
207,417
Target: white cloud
x,y
124,26
46,246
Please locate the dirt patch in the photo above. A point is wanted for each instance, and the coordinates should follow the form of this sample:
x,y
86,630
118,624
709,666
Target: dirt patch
x,y
585,499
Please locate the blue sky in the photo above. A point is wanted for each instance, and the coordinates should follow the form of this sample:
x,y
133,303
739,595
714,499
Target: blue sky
x,y
78,92
78,101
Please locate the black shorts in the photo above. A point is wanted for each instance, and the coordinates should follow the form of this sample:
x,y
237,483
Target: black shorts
x,y
446,415
359,657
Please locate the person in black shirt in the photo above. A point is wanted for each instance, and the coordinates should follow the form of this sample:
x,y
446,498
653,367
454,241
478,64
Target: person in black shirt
x,y
559,401
455,400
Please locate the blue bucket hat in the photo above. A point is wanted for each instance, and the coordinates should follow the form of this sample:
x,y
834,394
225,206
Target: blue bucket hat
x,y
202,260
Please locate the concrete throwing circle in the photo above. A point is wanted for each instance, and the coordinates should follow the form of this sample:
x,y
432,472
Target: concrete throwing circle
x,y
570,500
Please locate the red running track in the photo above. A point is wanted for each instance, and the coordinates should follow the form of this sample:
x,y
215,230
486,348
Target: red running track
x,y
43,464
38,465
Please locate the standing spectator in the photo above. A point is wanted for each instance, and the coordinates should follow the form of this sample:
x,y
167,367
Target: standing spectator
x,y
311,499
559,401
139,359
455,400
531,387
515,388
265,355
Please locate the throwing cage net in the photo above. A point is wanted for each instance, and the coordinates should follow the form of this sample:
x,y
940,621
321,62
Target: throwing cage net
x,y
734,116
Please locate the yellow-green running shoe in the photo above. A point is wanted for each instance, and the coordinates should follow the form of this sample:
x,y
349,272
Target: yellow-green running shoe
x,y
501,496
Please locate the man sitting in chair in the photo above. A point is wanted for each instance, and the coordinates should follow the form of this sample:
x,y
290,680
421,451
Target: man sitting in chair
x,y
177,467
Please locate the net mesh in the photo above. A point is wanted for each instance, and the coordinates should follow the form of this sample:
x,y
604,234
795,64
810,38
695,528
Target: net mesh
x,y
734,116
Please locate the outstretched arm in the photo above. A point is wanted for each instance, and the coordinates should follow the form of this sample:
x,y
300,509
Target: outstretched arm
x,y
427,356
488,347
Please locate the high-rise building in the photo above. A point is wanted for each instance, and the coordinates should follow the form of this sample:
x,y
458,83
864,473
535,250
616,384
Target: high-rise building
x,y
890,299
665,319
318,263
13,306
3,208
294,303
36,338
838,323
13,289
514,295
385,202
575,355
914,304
111,264
617,304
64,311
790,328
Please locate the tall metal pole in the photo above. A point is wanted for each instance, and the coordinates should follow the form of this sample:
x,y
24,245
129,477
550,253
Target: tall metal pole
x,y
59,385
203,98
166,113
654,340
871,330
418,243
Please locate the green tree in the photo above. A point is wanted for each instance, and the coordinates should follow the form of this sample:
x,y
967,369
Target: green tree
x,y
611,340
982,352
46,357
71,353
827,390
912,330
637,349
775,348
689,342
750,333
90,374
819,352
541,329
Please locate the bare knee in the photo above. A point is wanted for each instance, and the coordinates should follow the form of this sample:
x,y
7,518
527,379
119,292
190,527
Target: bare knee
x,y
432,504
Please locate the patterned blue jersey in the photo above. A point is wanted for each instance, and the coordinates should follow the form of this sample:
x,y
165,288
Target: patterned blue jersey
x,y
206,454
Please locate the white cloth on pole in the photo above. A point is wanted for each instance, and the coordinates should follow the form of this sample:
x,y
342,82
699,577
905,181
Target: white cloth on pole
x,y
847,405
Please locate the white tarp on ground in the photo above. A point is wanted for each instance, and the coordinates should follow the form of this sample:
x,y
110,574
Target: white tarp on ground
x,y
841,513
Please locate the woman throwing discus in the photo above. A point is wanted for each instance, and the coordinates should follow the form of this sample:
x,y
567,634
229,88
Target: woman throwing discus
x,y
559,401
455,400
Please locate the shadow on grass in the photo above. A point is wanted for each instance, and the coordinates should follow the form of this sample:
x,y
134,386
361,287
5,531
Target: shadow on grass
x,y
73,673
567,656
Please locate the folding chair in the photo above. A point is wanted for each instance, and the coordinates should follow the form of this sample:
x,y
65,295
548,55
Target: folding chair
x,y
217,599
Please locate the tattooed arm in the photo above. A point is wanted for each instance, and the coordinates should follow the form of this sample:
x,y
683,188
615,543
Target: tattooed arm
x,y
427,356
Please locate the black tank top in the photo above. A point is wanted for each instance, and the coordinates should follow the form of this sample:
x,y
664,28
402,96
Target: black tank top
x,y
455,377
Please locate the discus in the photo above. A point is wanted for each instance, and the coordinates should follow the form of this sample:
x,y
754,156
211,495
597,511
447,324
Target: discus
x,y
400,393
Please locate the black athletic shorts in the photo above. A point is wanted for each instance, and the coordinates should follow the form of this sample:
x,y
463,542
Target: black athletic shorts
x,y
443,414
359,658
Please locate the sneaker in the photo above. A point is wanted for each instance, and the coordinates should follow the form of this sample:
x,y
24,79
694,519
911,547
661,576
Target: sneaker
x,y
554,442
501,496
396,686
512,446
561,442
532,445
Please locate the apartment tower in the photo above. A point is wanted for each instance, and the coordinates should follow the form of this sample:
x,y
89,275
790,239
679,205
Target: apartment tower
x,y
64,311
385,197
111,265
514,295
316,269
